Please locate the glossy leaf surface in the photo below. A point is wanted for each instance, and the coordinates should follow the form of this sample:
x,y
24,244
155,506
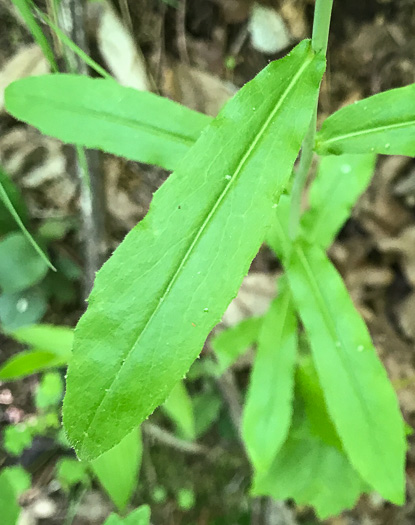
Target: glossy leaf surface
x,y
339,182
268,407
169,282
117,469
384,123
100,114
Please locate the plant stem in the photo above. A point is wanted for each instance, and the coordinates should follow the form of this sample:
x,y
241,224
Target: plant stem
x,y
321,26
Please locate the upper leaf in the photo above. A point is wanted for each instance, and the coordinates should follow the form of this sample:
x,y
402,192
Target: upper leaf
x,y
99,113
268,408
384,123
169,282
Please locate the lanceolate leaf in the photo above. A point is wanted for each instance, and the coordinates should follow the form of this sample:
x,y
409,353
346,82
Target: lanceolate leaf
x,y
360,399
268,408
339,183
101,114
384,123
169,282
117,469
26,363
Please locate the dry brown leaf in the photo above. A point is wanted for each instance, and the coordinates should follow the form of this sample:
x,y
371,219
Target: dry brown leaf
x,y
28,61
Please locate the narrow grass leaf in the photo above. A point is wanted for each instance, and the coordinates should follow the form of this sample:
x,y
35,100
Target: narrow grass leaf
x,y
9,205
25,9
117,469
360,399
178,406
339,182
57,340
169,282
7,222
384,123
100,114
268,408
234,341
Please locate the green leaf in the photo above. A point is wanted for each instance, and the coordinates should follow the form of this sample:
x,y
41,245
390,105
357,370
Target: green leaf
x,y
206,408
311,472
71,472
310,390
20,266
22,308
169,282
13,481
49,391
117,469
268,407
17,438
339,183
178,406
140,516
26,363
99,113
360,399
57,340
234,341
9,205
384,123
24,6
7,223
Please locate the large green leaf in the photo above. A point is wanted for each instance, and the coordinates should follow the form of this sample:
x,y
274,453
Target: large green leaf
x,y
268,408
13,481
99,113
384,123
360,399
117,469
235,340
311,472
168,284
339,183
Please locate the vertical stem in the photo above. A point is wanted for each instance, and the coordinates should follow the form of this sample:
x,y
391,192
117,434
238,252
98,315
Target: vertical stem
x,y
321,26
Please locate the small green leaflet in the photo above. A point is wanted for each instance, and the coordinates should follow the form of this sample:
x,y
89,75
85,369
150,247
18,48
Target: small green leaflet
x,y
235,340
311,472
25,8
178,406
117,469
268,408
13,481
384,123
169,282
339,182
98,113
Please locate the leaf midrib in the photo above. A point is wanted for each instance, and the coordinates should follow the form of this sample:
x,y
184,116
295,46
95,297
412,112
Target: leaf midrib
x,y
337,337
308,60
112,118
367,131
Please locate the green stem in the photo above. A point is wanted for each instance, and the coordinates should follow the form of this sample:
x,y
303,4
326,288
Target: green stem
x,y
321,26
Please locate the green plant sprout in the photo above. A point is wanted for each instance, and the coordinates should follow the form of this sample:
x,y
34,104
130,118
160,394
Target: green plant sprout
x,y
321,422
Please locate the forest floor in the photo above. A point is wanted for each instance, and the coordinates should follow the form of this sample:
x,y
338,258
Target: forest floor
x,y
199,52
